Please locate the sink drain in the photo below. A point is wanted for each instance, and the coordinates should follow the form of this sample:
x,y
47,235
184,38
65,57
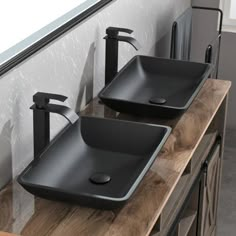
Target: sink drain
x,y
156,100
100,178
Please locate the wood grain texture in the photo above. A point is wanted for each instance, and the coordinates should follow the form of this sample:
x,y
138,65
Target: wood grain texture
x,y
6,234
6,209
139,215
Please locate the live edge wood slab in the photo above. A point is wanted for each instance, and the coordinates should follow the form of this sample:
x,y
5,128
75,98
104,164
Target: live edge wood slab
x,y
23,214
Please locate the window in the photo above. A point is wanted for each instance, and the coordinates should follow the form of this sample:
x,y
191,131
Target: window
x,y
229,8
25,18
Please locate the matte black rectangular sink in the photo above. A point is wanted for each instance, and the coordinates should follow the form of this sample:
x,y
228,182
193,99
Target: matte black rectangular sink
x,y
95,162
155,86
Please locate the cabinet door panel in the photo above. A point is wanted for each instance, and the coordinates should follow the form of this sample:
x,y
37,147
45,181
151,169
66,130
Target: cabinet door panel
x,y
210,194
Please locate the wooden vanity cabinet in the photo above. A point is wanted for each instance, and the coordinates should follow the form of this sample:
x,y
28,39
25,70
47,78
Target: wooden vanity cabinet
x,y
191,210
198,215
194,213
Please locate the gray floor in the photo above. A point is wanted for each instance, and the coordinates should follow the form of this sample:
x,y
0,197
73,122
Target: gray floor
x,y
227,204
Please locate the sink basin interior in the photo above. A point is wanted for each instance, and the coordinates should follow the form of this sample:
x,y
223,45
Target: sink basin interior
x,y
122,151
155,82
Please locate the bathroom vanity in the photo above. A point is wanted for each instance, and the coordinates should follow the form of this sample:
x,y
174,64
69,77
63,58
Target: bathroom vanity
x,y
178,196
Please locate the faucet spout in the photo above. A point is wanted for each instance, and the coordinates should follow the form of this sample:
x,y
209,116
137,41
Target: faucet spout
x,y
64,111
130,40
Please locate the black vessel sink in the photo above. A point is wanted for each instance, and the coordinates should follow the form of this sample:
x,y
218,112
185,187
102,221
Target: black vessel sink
x,y
95,162
155,86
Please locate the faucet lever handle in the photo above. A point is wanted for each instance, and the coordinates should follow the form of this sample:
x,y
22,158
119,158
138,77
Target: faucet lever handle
x,y
114,31
42,99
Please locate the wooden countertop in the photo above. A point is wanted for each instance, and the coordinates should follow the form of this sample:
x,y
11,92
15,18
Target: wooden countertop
x,y
6,234
23,214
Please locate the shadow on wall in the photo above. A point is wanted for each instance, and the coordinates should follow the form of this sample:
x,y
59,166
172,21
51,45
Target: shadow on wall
x,y
86,85
162,47
6,154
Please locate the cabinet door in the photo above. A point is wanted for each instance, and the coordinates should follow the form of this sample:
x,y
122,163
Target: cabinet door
x,y
208,212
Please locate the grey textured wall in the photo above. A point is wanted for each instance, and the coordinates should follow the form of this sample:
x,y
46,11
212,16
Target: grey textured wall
x,y
74,66
228,72
204,30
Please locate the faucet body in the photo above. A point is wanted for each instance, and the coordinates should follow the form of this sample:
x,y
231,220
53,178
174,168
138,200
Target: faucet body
x,y
112,50
41,118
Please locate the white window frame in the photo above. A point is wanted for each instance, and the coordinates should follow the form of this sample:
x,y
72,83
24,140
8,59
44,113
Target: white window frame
x,y
227,21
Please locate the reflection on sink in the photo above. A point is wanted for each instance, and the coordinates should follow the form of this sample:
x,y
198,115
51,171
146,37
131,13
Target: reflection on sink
x,y
95,162
155,86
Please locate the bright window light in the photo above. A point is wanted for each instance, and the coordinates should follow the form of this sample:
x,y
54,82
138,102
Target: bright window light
x,y
229,9
19,19
233,9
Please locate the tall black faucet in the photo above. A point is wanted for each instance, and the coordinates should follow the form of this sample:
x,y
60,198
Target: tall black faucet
x,y
41,118
112,41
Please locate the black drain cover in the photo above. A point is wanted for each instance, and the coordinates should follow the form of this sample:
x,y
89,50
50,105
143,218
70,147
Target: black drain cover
x,y
156,100
100,178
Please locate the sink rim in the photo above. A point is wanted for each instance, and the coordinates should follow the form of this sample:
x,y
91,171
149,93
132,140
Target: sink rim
x,y
204,77
135,184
